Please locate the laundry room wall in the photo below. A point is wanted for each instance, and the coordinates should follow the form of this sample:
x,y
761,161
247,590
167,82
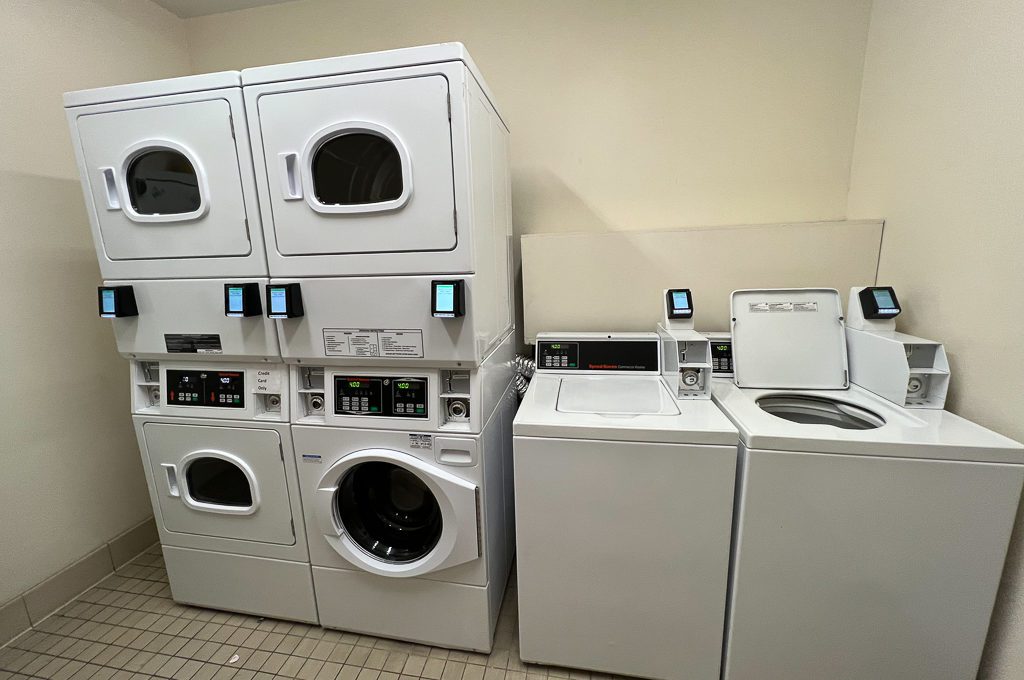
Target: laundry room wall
x,y
624,115
71,476
940,154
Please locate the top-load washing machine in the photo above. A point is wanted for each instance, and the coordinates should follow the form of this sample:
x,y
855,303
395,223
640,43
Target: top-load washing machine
x,y
624,500
384,188
869,538
168,178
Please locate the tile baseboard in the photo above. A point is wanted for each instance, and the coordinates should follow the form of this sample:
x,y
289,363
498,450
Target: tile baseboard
x,y
38,602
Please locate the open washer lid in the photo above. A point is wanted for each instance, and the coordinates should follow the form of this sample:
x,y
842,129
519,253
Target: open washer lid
x,y
789,338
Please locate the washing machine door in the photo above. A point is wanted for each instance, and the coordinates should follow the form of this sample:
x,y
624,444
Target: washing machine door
x,y
360,169
164,177
227,482
389,513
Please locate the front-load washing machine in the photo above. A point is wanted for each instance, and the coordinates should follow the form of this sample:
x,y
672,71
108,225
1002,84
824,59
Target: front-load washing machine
x,y
405,481
869,538
167,174
624,500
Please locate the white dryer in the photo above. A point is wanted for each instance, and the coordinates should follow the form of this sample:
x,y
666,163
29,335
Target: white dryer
x,y
381,163
870,538
168,179
624,499
385,193
218,457
406,485
210,407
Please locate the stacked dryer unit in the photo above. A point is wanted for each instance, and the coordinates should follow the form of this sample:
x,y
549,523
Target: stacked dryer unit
x,y
167,175
384,189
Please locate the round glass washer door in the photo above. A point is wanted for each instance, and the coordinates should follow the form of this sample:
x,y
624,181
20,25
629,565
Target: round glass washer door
x,y
814,410
389,512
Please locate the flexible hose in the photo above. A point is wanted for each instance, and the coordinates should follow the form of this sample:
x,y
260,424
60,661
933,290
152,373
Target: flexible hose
x,y
525,366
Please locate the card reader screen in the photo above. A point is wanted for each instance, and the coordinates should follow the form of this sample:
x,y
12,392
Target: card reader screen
x,y
884,298
680,300
235,305
278,300
107,297
445,300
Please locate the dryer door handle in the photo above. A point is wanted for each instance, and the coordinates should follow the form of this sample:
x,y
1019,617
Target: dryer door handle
x,y
110,188
291,184
172,479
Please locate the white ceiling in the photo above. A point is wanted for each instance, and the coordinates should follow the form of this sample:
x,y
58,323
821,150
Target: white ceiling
x,y
198,8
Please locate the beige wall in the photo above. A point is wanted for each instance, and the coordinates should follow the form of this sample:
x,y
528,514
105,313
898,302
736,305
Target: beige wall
x,y
940,154
608,295
70,474
624,115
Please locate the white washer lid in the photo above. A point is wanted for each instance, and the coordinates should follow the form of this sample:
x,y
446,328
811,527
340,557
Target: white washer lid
x,y
789,338
621,395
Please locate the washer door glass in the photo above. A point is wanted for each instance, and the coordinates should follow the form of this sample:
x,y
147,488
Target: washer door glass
x,y
218,482
163,182
388,511
357,168
809,410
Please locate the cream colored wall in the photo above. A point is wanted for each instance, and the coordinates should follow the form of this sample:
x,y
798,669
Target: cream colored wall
x,y
940,154
624,115
70,474
711,262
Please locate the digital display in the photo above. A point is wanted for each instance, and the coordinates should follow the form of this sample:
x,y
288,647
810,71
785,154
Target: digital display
x,y
884,298
879,302
278,301
380,396
680,303
445,301
107,297
218,389
235,303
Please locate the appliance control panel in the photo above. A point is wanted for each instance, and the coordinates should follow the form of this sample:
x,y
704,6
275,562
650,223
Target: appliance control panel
x,y
598,352
721,356
558,354
218,389
388,396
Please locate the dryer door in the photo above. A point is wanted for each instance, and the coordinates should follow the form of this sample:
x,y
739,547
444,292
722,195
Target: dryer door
x,y
164,180
360,168
391,514
226,482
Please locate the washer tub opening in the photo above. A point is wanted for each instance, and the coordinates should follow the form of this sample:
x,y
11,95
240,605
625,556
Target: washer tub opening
x,y
809,410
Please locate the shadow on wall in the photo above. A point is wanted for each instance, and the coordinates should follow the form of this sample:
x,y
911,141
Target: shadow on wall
x,y
542,203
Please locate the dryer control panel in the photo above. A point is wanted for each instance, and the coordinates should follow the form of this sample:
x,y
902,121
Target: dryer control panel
x,y
219,389
388,396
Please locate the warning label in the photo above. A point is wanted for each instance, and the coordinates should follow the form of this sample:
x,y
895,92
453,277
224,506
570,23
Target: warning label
x,y
421,441
759,307
373,342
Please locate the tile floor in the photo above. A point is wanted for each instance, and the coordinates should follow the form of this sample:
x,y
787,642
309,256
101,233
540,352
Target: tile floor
x,y
128,628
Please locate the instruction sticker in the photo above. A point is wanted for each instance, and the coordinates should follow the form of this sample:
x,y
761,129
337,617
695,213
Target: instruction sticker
x,y
421,441
373,342
770,307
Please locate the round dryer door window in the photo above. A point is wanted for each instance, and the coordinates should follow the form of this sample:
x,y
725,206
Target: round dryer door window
x,y
357,168
163,182
389,511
